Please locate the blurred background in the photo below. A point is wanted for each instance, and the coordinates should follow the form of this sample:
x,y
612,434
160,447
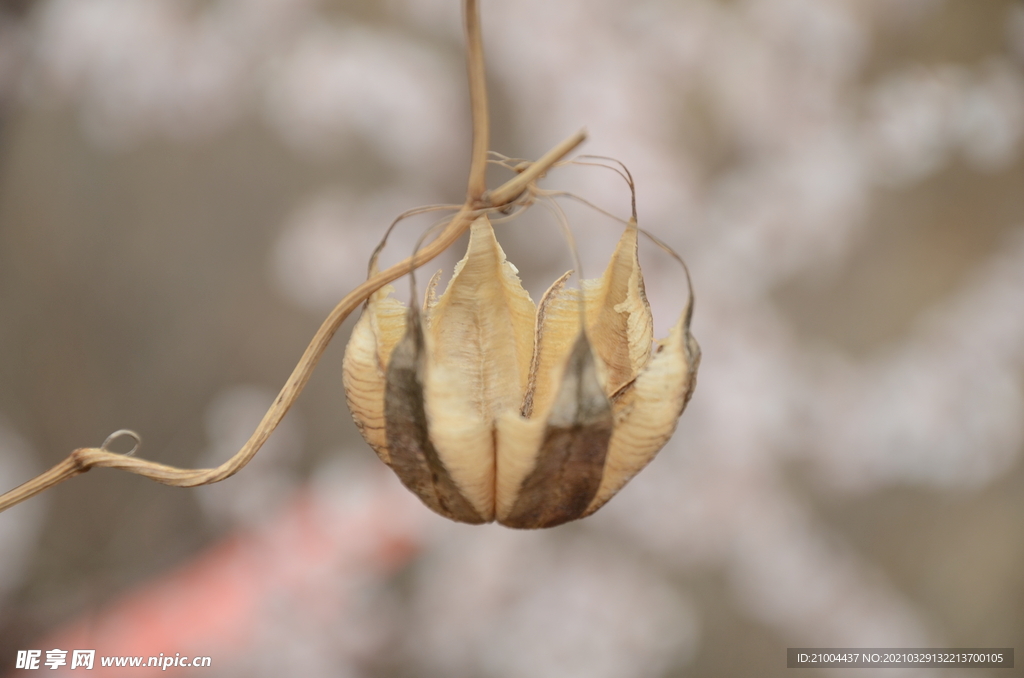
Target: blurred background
x,y
188,186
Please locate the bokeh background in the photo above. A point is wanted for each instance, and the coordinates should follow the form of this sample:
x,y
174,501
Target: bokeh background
x,y
188,186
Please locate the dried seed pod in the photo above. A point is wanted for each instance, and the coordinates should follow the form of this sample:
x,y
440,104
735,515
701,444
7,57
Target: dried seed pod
x,y
489,408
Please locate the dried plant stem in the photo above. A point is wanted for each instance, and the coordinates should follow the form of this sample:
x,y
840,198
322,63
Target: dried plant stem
x,y
478,201
477,103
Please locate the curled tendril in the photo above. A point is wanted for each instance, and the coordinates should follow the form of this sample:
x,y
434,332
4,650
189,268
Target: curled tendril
x,y
123,433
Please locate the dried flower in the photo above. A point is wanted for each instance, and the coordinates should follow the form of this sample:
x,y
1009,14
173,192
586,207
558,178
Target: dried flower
x,y
491,408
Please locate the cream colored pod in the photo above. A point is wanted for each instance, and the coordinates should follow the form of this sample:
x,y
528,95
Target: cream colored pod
x,y
489,407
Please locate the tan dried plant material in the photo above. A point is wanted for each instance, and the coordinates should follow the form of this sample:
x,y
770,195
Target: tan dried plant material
x,y
487,406
491,408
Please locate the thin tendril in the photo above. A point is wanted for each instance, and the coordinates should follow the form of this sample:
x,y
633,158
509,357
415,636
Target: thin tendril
x,y
416,211
556,210
584,201
432,229
627,176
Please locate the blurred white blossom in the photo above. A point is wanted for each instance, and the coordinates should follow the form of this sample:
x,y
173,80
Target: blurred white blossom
x,y
333,87
944,407
504,604
917,118
324,248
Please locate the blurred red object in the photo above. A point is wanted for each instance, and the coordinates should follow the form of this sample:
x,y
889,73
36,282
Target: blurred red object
x,y
315,556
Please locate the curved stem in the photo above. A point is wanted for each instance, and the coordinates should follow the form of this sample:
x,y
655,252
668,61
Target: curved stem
x,y
82,459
